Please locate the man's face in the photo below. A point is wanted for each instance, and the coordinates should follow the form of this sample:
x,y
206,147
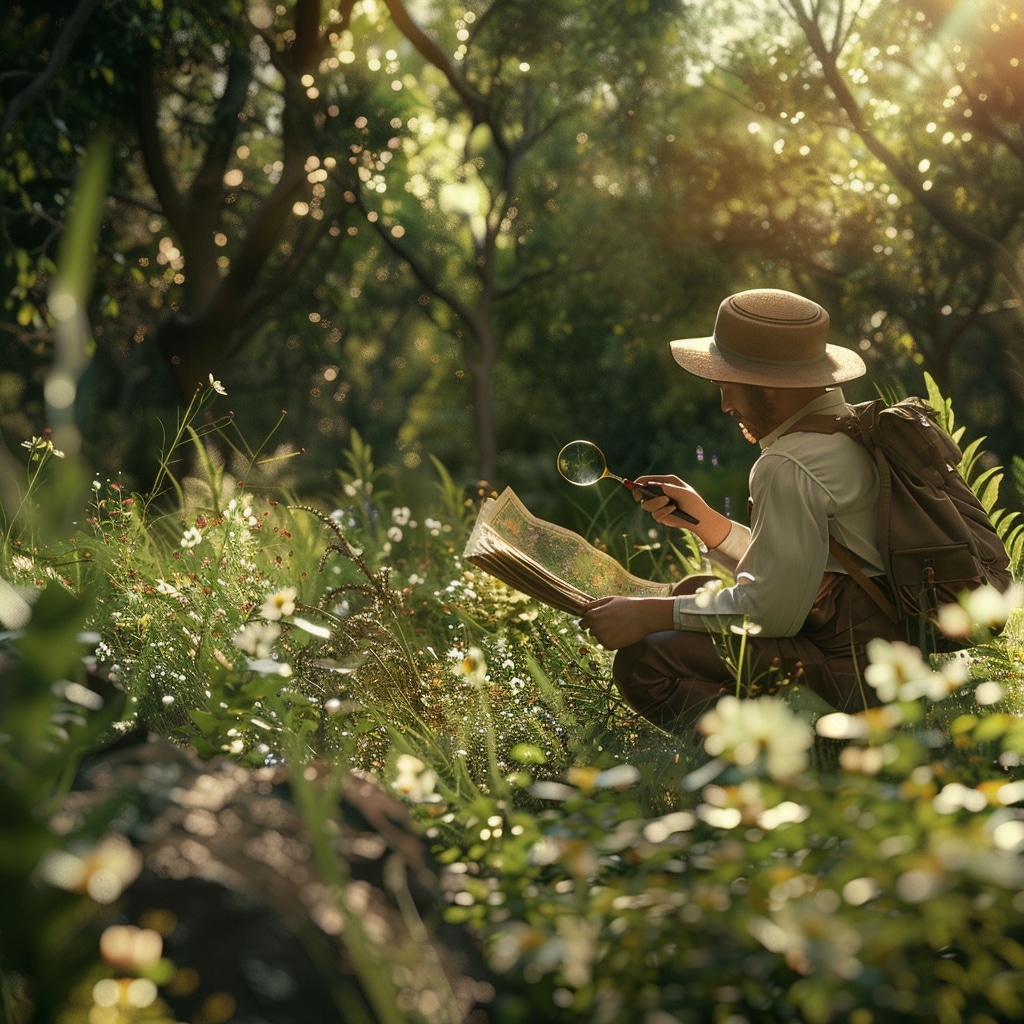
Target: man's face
x,y
752,407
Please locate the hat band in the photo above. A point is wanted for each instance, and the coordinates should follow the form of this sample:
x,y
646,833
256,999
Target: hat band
x,y
728,353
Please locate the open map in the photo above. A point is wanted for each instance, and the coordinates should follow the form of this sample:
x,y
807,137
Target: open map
x,y
547,561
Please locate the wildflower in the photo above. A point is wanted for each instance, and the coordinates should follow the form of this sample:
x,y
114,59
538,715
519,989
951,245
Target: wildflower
x,y
122,998
104,872
899,672
621,776
702,597
748,730
40,446
257,638
129,949
892,665
980,613
472,666
217,386
401,516
745,628
163,587
938,683
191,537
415,781
279,604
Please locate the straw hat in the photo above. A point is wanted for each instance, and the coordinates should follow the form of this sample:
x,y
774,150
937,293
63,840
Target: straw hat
x,y
772,338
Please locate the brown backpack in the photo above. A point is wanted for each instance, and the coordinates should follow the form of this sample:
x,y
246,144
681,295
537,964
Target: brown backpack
x,y
934,534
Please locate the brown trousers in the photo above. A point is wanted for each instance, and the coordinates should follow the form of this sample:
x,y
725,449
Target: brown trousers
x,y
672,677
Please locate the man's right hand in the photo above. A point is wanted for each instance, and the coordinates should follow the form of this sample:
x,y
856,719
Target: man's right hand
x,y
712,527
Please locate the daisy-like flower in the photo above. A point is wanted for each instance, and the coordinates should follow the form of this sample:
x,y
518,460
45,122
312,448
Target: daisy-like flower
x,y
103,872
257,639
415,781
40,446
899,672
892,665
279,604
764,730
191,537
980,613
472,666
217,386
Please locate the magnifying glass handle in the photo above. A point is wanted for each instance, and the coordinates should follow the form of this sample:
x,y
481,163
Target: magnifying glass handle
x,y
656,491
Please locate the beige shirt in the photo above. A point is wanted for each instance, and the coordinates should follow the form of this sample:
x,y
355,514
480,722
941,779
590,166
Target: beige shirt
x,y
804,487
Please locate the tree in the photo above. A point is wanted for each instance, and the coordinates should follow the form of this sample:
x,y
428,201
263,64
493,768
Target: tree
x,y
928,191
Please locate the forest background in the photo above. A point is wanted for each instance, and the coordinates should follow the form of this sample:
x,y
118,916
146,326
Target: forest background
x,y
468,231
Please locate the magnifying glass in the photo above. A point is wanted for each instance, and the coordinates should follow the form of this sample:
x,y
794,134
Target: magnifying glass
x,y
583,463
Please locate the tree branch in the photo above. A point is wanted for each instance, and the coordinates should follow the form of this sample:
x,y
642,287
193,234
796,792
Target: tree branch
x,y
58,57
434,55
157,169
206,191
956,226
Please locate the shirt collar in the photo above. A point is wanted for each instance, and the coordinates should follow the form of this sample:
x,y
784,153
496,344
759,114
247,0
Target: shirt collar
x,y
831,401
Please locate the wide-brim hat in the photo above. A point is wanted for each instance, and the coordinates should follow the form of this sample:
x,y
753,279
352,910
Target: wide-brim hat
x,y
771,338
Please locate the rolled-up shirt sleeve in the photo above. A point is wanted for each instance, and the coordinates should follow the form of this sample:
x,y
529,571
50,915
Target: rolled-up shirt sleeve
x,y
779,569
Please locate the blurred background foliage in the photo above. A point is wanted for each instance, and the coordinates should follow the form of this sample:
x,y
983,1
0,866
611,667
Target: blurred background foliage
x,y
468,230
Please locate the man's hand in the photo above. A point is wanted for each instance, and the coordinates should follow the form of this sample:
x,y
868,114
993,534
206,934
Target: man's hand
x,y
616,622
712,527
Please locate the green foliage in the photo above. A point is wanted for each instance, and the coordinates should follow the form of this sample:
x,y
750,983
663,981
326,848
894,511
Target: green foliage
x,y
54,715
985,482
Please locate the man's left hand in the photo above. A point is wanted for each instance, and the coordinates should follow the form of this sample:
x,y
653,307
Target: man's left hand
x,y
616,622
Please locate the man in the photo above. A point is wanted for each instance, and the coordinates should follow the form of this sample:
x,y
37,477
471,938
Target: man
x,y
793,613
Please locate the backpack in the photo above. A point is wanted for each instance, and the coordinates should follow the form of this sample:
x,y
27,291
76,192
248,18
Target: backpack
x,y
935,537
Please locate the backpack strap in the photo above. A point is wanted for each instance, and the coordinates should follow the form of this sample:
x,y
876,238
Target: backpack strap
x,y
845,558
843,555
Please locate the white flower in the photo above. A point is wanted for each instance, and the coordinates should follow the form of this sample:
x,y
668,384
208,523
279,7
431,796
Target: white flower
x,y
745,628
163,587
937,684
954,621
103,872
415,781
991,608
899,672
745,731
892,665
980,612
257,638
40,446
217,386
279,604
472,666
401,516
191,537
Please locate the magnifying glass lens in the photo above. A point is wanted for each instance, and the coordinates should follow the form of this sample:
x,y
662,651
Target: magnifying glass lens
x,y
581,462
